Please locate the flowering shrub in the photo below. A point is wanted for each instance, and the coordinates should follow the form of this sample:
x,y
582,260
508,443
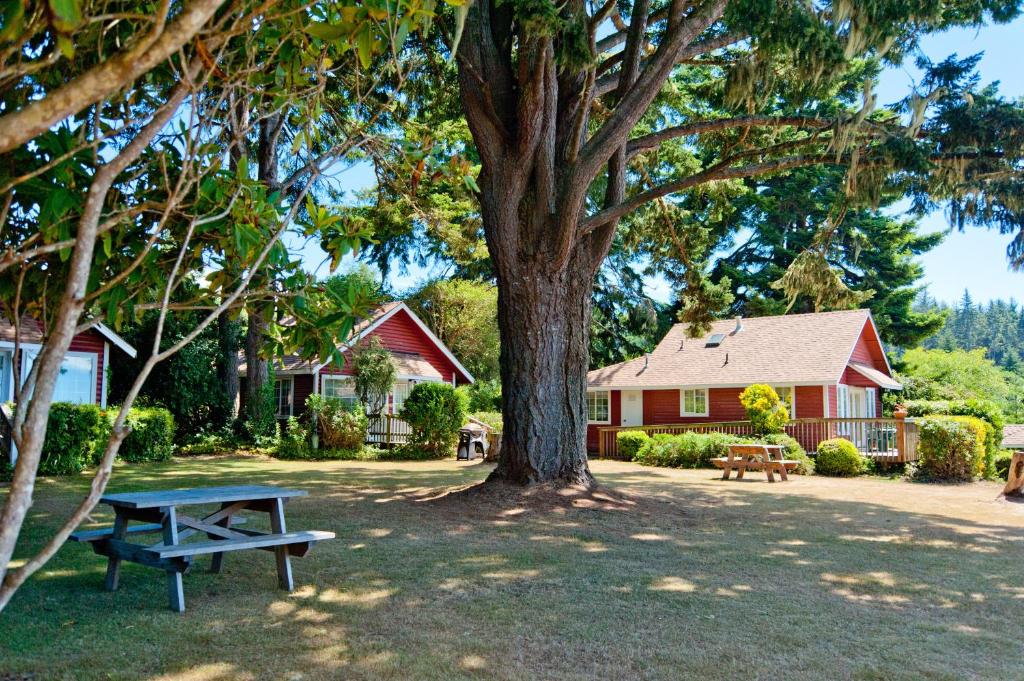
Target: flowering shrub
x,y
766,411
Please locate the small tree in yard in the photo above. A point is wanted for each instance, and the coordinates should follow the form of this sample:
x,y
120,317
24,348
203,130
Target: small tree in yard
x,y
373,374
767,412
435,411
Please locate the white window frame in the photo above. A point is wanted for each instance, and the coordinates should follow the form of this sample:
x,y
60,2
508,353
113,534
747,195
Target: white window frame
x,y
792,394
682,401
842,401
325,378
31,353
871,402
608,396
291,396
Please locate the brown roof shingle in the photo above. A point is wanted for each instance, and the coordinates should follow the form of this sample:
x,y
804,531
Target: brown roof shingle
x,y
1013,436
799,348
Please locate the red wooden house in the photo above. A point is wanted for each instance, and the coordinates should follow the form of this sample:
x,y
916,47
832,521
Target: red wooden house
x,y
825,365
83,373
418,354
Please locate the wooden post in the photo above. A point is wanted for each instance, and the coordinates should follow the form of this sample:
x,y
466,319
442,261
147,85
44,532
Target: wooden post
x,y
900,414
114,561
600,443
175,589
387,430
284,564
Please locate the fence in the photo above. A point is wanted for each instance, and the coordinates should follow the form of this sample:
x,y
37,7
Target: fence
x,y
886,440
386,430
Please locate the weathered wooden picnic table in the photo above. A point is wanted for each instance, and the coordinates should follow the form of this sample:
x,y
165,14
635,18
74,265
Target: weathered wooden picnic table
x,y
755,457
158,510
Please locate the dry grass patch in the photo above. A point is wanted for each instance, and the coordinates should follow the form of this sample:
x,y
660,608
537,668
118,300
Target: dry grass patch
x,y
658,574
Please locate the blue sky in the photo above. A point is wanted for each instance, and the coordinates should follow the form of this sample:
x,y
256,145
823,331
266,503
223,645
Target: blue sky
x,y
973,260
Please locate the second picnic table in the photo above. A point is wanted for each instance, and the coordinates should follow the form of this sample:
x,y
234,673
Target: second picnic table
x,y
158,510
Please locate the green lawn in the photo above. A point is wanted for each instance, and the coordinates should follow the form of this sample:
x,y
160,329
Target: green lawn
x,y
682,576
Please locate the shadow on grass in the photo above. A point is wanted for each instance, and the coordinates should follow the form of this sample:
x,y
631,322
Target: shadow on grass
x,y
652,576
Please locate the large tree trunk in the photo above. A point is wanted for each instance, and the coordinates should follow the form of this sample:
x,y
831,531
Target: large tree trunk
x,y
257,369
227,364
544,318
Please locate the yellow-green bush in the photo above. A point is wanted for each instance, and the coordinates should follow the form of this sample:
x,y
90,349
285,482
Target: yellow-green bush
x,y
766,411
629,442
952,447
839,457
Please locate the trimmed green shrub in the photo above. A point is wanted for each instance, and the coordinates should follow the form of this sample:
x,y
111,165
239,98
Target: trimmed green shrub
x,y
629,442
766,411
491,418
791,450
151,437
686,450
950,449
436,412
484,396
1002,463
839,457
72,432
989,412
340,426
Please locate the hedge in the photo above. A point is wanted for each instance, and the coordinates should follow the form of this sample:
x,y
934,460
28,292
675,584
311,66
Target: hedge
x,y
1002,463
792,450
686,450
629,442
72,433
987,411
951,448
436,412
839,457
151,437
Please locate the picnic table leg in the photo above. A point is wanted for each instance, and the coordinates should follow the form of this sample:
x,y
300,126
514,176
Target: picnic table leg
x,y
284,564
782,472
217,564
768,466
114,562
726,470
175,589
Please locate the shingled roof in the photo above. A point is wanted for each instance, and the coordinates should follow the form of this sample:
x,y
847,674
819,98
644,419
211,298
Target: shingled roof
x,y
1013,436
799,349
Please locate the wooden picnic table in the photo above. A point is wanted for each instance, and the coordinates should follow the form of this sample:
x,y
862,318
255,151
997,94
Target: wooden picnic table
x,y
755,457
158,511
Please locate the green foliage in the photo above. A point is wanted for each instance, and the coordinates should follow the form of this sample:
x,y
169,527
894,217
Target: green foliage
x,y
436,412
464,315
340,426
373,374
629,442
767,412
839,457
483,395
72,433
491,418
187,383
950,449
260,425
687,450
151,437
209,443
791,450
1002,463
294,444
989,412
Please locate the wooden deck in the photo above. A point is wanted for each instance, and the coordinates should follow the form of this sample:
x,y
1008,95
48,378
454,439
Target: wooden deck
x,y
887,440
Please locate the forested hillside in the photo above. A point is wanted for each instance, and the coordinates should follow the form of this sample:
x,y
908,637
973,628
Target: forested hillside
x,y
998,327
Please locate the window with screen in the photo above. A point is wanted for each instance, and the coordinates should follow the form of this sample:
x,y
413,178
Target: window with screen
x,y
694,402
598,407
788,395
340,388
283,396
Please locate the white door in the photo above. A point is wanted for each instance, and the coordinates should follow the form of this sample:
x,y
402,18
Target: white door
x,y
632,408
858,403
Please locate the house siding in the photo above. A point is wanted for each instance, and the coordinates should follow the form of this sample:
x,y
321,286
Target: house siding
x,y
614,414
399,333
810,401
303,388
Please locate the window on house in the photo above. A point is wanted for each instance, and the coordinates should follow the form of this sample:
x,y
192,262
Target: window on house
x,y
598,407
340,388
872,405
694,402
788,395
76,382
283,396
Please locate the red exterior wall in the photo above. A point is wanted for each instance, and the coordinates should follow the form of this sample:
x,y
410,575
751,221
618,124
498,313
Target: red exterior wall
x,y
615,414
833,402
810,401
401,334
303,388
92,341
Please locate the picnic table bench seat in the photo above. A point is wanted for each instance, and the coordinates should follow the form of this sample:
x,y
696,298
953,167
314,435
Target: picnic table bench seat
x,y
719,462
302,541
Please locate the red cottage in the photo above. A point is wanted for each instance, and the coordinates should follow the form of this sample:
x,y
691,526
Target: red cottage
x,y
418,354
83,373
828,364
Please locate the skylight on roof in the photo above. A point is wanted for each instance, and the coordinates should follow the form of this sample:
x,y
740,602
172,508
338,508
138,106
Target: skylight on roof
x,y
715,340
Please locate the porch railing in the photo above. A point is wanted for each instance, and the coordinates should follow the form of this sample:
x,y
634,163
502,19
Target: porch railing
x,y
888,440
386,430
